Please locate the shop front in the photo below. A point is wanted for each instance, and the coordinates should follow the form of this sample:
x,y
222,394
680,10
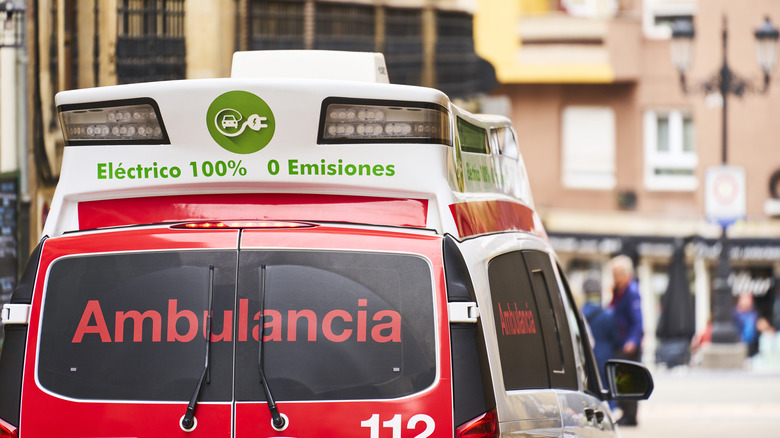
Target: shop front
x,y
754,278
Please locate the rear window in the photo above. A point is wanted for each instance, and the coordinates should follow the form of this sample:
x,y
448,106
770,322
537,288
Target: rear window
x,y
131,326
337,325
523,359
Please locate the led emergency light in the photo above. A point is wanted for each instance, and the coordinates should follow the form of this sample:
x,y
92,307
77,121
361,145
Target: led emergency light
x,y
362,121
134,121
210,225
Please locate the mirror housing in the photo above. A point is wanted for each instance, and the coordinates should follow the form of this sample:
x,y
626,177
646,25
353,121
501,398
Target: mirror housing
x,y
628,380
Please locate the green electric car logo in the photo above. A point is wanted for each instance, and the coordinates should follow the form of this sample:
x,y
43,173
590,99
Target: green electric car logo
x,y
240,122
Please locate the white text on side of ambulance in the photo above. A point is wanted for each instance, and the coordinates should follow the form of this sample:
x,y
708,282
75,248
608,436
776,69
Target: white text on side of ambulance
x,y
336,325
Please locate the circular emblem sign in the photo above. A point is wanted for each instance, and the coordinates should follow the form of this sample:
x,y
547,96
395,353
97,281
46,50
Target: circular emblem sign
x,y
240,122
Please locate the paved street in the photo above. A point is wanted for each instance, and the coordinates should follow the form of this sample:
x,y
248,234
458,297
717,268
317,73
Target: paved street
x,y
712,404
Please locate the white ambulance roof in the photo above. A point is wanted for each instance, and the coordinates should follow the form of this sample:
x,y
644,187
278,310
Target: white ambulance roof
x,y
311,64
271,135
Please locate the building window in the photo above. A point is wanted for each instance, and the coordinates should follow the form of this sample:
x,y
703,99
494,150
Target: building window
x,y
150,41
588,147
403,45
277,25
345,27
658,16
70,55
670,151
458,68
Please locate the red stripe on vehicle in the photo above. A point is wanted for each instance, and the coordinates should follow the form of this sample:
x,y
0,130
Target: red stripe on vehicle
x,y
481,217
279,206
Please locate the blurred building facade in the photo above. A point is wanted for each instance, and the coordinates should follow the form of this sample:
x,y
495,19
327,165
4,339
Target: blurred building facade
x,y
617,152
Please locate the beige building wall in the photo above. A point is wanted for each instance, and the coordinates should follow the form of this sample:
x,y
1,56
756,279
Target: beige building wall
x,y
752,134
644,78
548,60
210,38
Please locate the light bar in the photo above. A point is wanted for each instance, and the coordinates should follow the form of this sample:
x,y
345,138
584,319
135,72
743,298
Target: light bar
x,y
225,225
135,121
345,121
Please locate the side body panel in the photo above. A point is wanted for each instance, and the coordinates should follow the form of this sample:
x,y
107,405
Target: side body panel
x,y
529,318
533,412
12,358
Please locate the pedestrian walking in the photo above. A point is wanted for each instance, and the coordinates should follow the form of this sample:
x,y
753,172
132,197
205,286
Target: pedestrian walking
x,y
602,324
746,318
627,307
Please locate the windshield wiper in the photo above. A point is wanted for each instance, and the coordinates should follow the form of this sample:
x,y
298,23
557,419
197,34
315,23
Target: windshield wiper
x,y
188,421
277,420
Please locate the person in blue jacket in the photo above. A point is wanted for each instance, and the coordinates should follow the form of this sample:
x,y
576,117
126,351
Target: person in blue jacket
x,y
602,324
627,307
746,318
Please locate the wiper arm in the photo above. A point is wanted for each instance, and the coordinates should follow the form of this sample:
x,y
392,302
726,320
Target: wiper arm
x,y
188,420
277,421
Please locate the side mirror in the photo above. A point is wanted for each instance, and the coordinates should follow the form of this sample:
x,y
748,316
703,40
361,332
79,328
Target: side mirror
x,y
628,380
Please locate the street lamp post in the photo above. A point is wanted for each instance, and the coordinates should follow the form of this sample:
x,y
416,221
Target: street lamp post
x,y
725,81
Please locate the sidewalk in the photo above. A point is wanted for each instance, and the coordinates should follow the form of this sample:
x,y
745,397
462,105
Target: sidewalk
x,y
690,402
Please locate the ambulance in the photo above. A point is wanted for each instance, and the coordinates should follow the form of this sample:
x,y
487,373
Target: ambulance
x,y
302,249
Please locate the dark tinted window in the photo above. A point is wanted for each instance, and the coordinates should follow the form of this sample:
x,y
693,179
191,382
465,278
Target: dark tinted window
x,y
131,326
520,341
472,138
531,322
505,141
554,321
589,374
338,325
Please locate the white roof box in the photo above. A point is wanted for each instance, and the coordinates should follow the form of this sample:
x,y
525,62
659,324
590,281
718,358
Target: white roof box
x,y
311,64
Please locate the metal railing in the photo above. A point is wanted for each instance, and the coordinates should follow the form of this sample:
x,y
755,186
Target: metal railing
x,y
150,41
403,45
276,25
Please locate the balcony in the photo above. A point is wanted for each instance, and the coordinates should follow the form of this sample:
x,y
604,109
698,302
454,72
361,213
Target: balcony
x,y
557,47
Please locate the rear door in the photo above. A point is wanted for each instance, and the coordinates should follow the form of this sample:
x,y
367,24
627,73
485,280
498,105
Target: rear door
x,y
352,336
118,334
526,405
571,376
543,381
355,338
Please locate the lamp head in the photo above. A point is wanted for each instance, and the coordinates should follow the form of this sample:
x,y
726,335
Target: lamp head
x,y
766,39
682,44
